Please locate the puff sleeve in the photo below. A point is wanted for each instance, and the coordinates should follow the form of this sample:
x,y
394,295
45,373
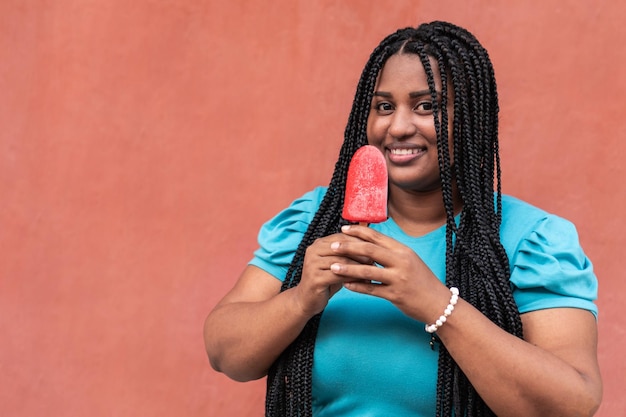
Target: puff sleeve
x,y
279,237
549,269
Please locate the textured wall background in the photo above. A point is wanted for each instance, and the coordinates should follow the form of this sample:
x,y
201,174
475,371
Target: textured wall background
x,y
143,143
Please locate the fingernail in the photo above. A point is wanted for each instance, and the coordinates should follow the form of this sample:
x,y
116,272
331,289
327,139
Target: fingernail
x,y
335,245
335,267
345,228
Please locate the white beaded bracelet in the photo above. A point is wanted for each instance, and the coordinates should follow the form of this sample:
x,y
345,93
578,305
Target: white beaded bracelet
x,y
432,328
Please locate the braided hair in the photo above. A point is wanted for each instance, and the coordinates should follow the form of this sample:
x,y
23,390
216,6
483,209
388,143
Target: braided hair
x,y
476,261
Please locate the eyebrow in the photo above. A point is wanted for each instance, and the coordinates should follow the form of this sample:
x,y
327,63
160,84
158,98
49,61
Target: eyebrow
x,y
412,94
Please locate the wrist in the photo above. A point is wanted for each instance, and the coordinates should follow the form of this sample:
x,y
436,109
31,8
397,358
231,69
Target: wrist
x,y
300,308
447,312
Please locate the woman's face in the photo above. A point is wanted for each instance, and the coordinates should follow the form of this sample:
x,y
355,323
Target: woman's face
x,y
401,123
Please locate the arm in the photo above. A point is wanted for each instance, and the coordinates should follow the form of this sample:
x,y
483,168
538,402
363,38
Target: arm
x,y
251,326
553,372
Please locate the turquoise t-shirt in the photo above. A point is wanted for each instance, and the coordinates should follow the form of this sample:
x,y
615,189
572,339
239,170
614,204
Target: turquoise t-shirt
x,y
372,360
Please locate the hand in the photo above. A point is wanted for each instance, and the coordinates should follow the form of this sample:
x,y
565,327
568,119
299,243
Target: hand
x,y
404,279
318,283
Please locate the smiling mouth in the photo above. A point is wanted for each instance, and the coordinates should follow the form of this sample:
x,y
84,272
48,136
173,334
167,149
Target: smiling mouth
x,y
405,151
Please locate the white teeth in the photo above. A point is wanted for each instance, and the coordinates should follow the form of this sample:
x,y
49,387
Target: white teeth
x,y
404,151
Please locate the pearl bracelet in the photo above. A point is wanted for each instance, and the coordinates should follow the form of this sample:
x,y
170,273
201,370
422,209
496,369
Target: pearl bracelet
x,y
432,328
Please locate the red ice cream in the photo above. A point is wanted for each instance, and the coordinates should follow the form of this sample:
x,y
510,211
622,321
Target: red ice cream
x,y
366,187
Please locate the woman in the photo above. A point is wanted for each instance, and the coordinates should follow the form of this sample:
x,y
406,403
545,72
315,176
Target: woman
x,y
348,320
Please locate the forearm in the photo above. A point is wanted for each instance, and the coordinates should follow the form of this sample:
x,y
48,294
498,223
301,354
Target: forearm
x,y
514,377
243,339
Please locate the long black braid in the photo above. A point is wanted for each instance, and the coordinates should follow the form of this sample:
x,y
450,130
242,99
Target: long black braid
x,y
476,262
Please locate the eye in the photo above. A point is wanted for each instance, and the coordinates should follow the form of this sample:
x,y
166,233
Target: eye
x,y
424,107
383,107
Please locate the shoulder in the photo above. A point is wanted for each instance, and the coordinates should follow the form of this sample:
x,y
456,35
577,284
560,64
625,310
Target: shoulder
x,y
521,219
313,197
548,265
280,236
525,225
301,210
514,210
297,215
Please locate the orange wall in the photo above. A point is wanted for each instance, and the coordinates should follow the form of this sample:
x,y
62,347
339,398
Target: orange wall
x,y
142,144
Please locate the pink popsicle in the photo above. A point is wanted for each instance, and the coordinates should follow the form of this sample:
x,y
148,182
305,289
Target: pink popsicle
x,y
366,187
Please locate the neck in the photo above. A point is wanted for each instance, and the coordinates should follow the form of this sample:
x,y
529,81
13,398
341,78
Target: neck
x,y
420,213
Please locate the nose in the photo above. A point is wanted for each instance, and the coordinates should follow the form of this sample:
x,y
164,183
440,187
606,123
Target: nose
x,y
402,124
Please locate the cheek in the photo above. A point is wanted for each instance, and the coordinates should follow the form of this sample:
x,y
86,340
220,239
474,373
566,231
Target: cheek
x,y
425,128
372,136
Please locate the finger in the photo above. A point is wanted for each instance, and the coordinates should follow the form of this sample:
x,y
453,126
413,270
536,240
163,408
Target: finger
x,y
365,233
363,252
359,272
323,246
365,287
